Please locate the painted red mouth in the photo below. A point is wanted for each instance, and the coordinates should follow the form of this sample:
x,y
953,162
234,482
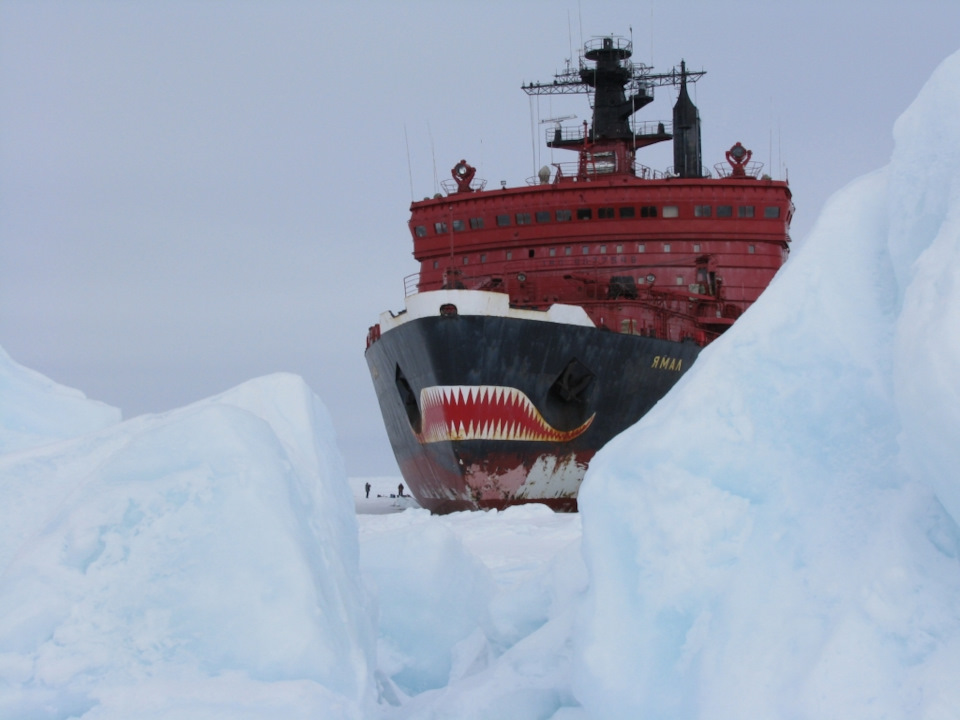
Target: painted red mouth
x,y
486,412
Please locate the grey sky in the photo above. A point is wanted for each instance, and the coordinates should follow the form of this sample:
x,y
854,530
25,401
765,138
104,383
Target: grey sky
x,y
193,194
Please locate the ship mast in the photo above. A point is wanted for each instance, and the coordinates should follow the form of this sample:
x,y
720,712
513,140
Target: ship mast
x,y
620,88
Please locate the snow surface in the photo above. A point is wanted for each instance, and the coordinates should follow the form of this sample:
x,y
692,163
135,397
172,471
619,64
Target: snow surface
x,y
782,532
778,538
203,563
35,410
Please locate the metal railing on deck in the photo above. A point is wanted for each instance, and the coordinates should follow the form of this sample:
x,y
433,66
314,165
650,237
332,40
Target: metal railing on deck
x,y
751,169
573,134
570,172
450,186
410,283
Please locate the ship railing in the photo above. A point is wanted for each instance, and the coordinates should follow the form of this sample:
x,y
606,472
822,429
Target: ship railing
x,y
751,169
570,172
564,134
410,284
608,42
652,127
450,186
704,172
576,134
648,173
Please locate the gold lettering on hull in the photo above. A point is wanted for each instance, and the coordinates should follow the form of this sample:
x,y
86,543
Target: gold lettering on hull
x,y
662,362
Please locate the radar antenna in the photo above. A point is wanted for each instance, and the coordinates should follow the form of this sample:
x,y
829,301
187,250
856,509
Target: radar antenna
x,y
558,120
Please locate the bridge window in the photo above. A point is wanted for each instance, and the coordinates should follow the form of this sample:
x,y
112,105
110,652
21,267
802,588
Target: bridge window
x,y
509,254
585,249
745,211
458,225
771,211
476,223
436,264
466,260
584,213
751,249
702,210
553,252
666,247
440,228
483,257
503,220
568,250
564,215
603,249
628,212
641,247
696,247
670,211
648,211
619,249
605,212
523,218
420,230
543,216
724,210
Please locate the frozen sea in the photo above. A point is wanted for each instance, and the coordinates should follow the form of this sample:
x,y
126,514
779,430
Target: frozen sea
x,y
778,538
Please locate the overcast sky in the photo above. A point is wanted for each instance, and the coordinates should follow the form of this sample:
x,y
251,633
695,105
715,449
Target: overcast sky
x,y
193,194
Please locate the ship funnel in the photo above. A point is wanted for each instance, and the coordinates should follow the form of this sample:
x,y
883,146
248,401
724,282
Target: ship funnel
x,y
687,161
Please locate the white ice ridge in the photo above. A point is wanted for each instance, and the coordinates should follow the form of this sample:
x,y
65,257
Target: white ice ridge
x,y
35,410
199,563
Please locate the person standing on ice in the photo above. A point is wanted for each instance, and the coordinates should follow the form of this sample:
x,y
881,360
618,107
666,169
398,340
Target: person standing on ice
x,y
367,488
400,490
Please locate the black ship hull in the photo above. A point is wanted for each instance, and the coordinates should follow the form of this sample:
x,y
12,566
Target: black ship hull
x,y
487,411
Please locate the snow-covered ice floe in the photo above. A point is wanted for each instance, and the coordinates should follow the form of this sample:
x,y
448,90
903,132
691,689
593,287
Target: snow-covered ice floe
x,y
779,537
34,410
200,563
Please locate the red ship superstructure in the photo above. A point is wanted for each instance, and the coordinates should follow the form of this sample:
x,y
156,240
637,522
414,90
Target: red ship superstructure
x,y
547,318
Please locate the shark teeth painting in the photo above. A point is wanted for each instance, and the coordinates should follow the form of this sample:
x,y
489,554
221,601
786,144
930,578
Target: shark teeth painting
x,y
486,412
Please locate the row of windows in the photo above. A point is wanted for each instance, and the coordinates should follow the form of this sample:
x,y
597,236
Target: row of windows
x,y
646,211
568,250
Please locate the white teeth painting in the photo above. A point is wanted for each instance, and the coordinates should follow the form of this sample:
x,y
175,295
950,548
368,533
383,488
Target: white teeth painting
x,y
486,412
